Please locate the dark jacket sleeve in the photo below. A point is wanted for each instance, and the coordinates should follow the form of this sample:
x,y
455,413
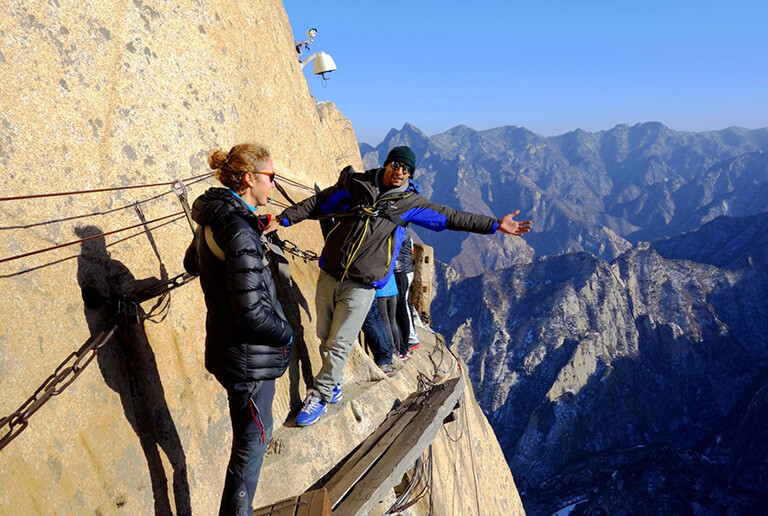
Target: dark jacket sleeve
x,y
248,296
190,258
331,200
438,217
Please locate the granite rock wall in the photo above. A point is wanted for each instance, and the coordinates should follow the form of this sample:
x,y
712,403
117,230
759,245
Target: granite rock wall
x,y
111,94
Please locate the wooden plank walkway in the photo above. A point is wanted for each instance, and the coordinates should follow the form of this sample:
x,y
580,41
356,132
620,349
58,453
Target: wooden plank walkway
x,y
380,462
311,503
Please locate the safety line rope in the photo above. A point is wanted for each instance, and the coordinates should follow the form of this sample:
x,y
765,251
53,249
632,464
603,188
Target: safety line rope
x,y
97,190
106,212
31,253
293,182
72,257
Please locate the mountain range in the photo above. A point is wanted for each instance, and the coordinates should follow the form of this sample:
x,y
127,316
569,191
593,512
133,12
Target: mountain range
x,y
598,192
620,350
637,382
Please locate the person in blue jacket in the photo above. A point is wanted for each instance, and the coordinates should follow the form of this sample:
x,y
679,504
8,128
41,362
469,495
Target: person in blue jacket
x,y
386,301
372,210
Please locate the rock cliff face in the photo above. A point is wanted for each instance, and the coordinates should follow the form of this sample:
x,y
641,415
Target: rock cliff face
x,y
596,192
726,242
615,384
114,94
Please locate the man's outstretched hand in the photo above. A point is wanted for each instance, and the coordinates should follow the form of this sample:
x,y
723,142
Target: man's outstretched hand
x,y
510,226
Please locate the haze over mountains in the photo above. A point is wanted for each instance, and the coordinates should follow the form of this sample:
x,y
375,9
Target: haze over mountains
x,y
597,192
621,350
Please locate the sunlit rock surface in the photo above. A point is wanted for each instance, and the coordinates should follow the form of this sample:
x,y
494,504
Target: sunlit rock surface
x,y
110,94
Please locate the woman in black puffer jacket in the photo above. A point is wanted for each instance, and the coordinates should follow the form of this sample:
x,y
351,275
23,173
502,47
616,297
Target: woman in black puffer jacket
x,y
248,340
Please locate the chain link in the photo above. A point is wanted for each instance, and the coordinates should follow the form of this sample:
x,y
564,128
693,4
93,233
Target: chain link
x,y
72,366
65,374
291,248
175,282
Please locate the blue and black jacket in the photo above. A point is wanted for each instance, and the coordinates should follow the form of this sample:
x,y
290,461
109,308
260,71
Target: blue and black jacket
x,y
370,223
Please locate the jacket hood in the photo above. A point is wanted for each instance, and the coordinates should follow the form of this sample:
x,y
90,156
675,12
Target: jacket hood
x,y
216,203
413,187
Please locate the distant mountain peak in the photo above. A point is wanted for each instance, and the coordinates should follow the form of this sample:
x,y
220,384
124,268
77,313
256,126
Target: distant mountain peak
x,y
408,135
410,128
650,125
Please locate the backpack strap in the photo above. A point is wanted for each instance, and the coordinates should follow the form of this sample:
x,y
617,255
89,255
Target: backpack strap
x,y
281,271
212,245
279,265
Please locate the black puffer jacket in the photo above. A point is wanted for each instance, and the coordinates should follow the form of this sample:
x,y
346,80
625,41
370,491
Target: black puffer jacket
x,y
247,336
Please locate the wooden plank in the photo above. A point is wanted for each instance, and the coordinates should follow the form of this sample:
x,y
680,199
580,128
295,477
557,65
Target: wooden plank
x,y
311,503
285,507
386,473
317,503
408,446
371,449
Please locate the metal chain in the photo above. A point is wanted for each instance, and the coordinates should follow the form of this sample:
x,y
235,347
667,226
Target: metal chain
x,y
177,281
291,248
77,361
55,384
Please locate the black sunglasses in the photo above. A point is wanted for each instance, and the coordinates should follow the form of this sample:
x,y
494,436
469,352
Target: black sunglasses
x,y
396,165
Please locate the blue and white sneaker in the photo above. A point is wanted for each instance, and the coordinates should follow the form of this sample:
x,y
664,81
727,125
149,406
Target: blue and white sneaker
x,y
314,407
336,394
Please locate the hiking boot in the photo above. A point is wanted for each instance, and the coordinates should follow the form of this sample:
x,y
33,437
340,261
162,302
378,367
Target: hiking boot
x,y
387,369
314,407
414,346
336,394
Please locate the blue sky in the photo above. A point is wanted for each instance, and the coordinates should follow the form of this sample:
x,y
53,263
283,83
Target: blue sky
x,y
550,66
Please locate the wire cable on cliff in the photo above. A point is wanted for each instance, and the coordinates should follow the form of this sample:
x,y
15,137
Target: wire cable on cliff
x,y
72,366
59,246
140,202
97,190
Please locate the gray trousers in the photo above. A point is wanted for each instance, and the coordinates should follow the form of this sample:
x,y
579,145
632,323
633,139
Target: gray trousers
x,y
341,310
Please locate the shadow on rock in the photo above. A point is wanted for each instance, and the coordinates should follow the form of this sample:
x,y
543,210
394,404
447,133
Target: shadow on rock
x,y
128,365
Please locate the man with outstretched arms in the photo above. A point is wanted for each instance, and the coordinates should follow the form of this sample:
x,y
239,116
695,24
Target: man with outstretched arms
x,y
371,211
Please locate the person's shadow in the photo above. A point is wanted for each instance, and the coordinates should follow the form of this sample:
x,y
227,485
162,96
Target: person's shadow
x,y
299,368
128,364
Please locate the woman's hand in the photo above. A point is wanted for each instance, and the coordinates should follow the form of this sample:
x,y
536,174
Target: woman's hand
x,y
272,226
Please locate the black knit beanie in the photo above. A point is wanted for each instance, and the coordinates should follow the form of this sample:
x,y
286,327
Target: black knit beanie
x,y
402,154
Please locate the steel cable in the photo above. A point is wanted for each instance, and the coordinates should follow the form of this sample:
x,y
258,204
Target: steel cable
x,y
32,253
188,182
97,190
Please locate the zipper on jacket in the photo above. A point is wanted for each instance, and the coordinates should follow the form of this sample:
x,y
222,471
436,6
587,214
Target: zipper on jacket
x,y
359,243
362,236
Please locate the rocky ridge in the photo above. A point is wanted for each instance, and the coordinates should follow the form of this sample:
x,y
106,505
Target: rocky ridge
x,y
597,192
116,94
624,383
